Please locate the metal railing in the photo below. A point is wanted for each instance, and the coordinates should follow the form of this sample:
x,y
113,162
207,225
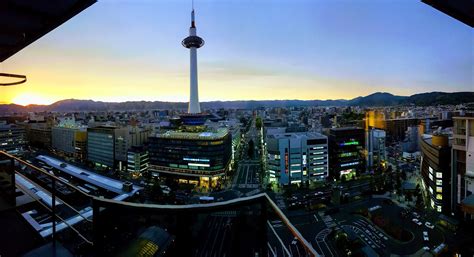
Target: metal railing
x,y
99,204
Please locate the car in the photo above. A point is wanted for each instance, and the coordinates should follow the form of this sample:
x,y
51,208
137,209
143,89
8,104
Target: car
x,y
426,248
425,236
429,225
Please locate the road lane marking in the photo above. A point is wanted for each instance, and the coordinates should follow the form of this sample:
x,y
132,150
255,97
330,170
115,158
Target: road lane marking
x,y
279,239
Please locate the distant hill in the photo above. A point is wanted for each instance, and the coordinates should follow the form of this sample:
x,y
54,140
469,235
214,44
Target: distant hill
x,y
440,98
376,99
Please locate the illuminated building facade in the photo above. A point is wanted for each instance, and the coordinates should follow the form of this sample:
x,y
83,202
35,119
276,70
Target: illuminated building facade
x,y
375,145
395,128
298,157
346,152
12,138
435,170
137,161
463,165
200,158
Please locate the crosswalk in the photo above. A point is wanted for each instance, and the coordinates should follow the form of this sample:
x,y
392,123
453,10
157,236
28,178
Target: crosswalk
x,y
248,185
328,221
225,214
280,202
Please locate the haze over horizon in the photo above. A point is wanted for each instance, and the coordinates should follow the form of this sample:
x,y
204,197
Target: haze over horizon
x,y
119,51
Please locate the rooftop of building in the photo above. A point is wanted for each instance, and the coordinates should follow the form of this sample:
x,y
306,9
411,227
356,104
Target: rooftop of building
x,y
345,129
428,138
469,116
206,134
298,135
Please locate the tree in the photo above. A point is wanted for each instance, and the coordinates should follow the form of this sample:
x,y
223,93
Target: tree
x,y
343,178
258,123
419,201
404,175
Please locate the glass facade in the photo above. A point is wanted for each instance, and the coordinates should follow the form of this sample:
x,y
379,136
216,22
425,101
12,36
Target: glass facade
x,y
192,156
100,146
346,152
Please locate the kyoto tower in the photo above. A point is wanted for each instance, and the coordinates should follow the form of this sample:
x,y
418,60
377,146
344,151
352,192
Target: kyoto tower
x,y
193,42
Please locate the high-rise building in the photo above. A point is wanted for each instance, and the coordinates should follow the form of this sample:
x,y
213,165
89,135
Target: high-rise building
x,y
298,157
12,138
463,165
375,145
200,158
395,128
106,146
435,170
346,152
39,134
69,141
137,161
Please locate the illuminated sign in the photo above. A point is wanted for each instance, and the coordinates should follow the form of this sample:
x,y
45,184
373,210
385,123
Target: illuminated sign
x,y
349,143
199,164
195,160
349,164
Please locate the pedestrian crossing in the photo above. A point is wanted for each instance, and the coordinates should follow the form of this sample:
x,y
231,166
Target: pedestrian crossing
x,y
225,214
280,202
328,221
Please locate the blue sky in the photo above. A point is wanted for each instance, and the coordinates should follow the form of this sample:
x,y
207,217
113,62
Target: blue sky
x,y
130,50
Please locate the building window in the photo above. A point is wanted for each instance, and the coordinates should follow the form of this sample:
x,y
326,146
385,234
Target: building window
x,y
439,174
430,176
439,189
439,196
439,182
438,208
431,190
430,170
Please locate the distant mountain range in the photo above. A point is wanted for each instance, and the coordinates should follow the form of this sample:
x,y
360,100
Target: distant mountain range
x,y
376,99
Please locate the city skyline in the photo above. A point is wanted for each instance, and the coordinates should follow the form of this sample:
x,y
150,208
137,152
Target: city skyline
x,y
420,51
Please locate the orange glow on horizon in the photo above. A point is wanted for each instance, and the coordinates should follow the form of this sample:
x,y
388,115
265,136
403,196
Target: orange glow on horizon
x,y
28,98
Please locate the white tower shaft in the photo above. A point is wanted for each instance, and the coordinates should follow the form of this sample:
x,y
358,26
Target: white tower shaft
x,y
194,106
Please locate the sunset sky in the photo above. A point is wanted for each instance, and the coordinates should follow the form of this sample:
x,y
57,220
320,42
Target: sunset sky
x,y
123,50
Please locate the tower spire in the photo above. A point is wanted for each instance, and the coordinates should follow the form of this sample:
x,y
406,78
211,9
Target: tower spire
x,y
192,15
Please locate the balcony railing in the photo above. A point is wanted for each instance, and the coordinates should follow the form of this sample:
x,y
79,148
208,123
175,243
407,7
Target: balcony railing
x,y
113,227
